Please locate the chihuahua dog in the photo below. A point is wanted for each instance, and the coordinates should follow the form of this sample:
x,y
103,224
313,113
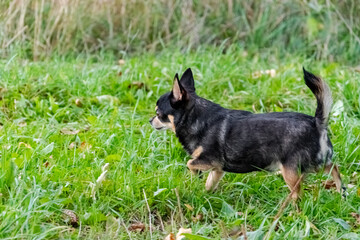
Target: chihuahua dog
x,y
224,140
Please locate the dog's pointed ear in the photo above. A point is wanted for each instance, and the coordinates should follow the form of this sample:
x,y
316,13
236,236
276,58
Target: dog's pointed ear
x,y
187,81
178,92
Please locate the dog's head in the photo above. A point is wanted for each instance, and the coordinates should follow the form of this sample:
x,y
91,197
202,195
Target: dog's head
x,y
172,105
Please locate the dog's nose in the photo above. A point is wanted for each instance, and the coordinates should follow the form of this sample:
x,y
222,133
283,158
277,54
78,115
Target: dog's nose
x,y
151,119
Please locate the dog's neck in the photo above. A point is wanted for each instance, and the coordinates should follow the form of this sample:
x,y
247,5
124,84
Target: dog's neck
x,y
195,121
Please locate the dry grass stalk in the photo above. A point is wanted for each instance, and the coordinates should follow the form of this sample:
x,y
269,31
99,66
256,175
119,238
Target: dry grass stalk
x,y
67,26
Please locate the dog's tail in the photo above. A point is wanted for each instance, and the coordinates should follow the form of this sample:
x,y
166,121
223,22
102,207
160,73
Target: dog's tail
x,y
323,96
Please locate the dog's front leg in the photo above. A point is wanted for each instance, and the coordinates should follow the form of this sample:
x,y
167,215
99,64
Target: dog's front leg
x,y
213,179
196,165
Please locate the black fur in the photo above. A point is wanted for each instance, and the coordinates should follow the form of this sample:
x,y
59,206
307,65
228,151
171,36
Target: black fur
x,y
240,141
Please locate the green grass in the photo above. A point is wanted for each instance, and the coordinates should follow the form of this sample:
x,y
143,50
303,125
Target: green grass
x,y
40,175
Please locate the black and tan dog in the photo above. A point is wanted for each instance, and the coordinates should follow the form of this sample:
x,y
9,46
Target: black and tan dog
x,y
224,140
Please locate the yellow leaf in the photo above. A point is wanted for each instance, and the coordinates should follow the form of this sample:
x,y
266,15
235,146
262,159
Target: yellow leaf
x,y
189,207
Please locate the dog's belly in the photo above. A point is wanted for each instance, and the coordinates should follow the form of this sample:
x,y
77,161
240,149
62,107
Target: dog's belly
x,y
239,168
248,167
274,166
243,159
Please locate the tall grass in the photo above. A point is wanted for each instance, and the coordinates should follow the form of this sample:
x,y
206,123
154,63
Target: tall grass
x,y
323,29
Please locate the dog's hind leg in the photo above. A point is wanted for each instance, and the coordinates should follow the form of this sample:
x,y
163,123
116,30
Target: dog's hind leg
x,y
291,177
213,179
334,170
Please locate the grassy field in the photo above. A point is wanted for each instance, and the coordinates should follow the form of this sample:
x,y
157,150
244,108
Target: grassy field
x,y
65,121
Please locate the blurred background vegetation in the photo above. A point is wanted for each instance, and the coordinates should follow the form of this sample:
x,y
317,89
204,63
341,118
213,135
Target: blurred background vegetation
x,y
322,29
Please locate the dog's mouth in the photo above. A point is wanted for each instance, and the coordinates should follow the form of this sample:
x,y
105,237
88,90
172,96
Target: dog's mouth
x,y
156,124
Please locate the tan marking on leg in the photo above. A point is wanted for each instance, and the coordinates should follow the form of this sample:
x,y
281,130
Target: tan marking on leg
x,y
156,108
191,167
197,152
291,177
334,169
213,179
191,164
194,165
171,118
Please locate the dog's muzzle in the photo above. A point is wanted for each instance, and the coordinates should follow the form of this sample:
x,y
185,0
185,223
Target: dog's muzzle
x,y
151,119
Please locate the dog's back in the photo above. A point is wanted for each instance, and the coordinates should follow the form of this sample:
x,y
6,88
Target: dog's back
x,y
264,141
294,142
